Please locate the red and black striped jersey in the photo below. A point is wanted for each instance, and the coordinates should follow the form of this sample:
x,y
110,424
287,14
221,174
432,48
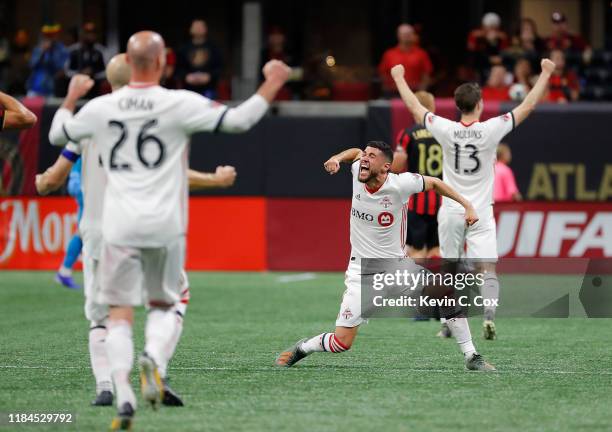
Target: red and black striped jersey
x,y
424,156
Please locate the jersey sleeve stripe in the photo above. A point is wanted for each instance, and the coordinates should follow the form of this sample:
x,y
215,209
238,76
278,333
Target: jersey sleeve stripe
x,y
425,119
513,121
66,133
423,180
218,125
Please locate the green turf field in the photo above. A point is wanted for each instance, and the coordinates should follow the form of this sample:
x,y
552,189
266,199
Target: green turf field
x,y
554,374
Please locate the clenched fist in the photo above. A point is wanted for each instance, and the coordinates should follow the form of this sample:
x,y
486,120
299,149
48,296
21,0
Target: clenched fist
x,y
79,85
332,166
276,70
547,65
397,71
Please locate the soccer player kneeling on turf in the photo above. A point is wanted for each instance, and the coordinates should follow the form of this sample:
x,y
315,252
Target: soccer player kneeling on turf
x,y
382,195
94,185
141,133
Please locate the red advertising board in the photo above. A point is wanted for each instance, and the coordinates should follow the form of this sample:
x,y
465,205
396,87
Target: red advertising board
x,y
256,233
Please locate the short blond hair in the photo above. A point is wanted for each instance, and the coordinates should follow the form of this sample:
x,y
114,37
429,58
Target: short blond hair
x,y
427,100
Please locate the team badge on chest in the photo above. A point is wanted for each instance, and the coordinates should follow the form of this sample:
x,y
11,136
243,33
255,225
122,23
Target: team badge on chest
x,y
385,202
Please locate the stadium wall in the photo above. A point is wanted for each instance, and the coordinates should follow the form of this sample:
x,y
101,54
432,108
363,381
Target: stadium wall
x,y
255,233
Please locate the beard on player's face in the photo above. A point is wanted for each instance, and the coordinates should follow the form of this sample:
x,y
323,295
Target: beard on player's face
x,y
368,171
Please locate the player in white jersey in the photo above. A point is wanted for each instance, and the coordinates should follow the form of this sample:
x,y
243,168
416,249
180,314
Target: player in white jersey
x,y
378,231
141,133
469,148
93,185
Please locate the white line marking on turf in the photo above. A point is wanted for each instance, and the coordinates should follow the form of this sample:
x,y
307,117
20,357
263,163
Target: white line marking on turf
x,y
249,369
296,277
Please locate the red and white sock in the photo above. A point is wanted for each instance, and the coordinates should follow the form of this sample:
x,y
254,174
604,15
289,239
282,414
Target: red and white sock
x,y
460,329
325,342
159,331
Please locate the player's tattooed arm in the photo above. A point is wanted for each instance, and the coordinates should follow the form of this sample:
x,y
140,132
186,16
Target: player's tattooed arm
x,y
526,107
445,190
223,177
411,101
332,165
16,115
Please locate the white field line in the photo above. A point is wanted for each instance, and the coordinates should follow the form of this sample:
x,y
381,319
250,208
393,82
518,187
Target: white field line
x,y
299,277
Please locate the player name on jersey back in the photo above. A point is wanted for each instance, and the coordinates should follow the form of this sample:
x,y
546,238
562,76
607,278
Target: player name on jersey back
x,y
141,135
469,151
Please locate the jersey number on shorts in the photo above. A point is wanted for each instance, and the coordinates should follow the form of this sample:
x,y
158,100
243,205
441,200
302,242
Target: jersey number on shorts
x,y
143,139
473,155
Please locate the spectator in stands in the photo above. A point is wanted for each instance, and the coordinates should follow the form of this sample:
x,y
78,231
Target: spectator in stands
x,y
47,62
20,63
486,43
496,88
169,79
199,61
526,44
87,57
504,186
563,85
416,61
523,74
561,38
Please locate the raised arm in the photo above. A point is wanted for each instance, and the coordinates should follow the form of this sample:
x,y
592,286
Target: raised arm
x,y
223,177
526,107
79,86
332,165
16,116
418,111
445,190
248,113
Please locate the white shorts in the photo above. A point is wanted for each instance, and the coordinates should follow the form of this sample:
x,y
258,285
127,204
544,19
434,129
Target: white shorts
x,y
350,308
92,249
480,238
129,275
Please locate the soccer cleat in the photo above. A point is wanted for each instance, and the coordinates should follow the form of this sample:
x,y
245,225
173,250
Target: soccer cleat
x,y
170,397
477,363
444,332
67,281
104,398
151,384
291,355
124,418
488,330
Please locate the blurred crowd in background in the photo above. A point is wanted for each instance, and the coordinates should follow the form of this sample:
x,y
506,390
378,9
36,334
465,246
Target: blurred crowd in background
x,y
505,65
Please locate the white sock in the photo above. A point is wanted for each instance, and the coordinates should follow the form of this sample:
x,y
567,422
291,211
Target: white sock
x,y
170,348
65,271
159,330
327,342
120,351
100,365
490,290
460,329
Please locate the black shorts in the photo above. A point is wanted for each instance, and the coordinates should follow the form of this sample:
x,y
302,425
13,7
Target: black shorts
x,y
422,231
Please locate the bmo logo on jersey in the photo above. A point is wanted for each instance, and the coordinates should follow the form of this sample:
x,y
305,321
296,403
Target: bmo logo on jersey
x,y
385,219
362,215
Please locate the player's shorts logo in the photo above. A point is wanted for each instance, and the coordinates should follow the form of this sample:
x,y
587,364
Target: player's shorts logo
x,y
347,314
385,219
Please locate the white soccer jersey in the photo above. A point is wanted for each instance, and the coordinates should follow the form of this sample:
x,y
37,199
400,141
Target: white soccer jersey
x,y
378,218
141,135
469,152
93,185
